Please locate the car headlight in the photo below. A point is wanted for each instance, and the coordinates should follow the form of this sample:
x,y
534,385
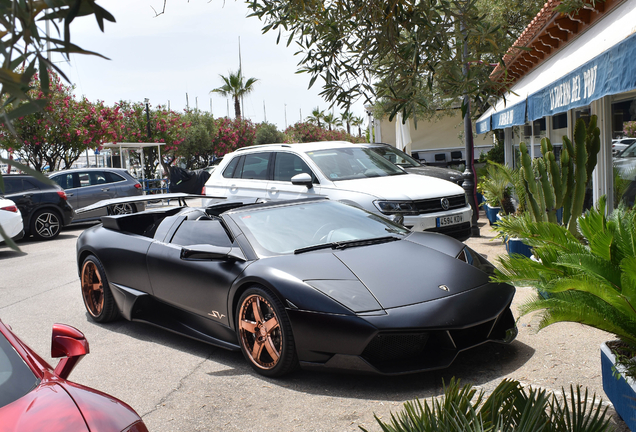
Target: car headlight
x,y
396,207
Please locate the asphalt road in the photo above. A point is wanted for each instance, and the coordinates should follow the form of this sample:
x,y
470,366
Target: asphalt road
x,y
177,384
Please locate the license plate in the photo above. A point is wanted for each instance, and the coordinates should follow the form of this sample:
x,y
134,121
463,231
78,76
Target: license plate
x,y
449,220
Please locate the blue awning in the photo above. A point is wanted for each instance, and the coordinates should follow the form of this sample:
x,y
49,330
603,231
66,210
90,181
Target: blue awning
x,y
611,72
511,116
483,126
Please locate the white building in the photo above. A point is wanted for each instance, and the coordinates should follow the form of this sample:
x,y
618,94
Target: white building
x,y
573,66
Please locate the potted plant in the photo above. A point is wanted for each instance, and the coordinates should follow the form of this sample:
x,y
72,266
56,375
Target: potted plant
x,y
496,188
590,279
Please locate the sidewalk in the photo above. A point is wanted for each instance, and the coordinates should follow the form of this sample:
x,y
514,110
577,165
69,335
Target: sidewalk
x,y
557,356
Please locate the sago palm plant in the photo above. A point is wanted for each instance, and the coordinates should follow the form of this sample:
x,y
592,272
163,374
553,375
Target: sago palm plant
x,y
510,407
496,185
591,280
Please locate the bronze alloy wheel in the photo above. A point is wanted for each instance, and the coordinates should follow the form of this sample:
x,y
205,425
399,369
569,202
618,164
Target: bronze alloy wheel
x,y
92,289
260,332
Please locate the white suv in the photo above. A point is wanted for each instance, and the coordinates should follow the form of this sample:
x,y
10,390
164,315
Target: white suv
x,y
345,172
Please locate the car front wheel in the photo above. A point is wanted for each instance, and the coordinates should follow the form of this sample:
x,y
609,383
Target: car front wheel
x,y
45,224
98,299
265,334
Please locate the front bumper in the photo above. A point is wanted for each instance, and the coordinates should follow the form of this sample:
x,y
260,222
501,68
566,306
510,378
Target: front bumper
x,y
431,222
415,338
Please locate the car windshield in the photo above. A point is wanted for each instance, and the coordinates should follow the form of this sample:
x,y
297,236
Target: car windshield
x,y
629,152
396,156
287,229
352,163
16,378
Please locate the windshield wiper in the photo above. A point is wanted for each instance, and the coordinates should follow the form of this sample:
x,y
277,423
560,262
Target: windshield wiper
x,y
347,244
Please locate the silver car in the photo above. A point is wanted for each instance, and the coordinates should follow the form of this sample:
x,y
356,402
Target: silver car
x,y
86,186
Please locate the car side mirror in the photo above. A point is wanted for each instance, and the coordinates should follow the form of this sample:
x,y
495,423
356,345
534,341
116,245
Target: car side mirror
x,y
70,343
302,179
210,252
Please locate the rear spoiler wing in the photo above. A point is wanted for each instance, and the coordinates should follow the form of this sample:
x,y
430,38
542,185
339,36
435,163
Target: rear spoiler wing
x,y
181,198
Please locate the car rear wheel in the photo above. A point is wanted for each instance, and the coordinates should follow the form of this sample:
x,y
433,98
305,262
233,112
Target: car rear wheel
x,y
126,208
45,224
265,334
98,299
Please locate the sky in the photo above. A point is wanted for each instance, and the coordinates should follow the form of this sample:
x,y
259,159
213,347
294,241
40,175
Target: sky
x,y
183,51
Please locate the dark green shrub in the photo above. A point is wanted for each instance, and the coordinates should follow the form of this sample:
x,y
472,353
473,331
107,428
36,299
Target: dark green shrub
x,y
267,133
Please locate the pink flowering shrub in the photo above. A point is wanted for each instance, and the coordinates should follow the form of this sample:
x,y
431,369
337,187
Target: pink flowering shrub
x,y
59,134
629,129
233,134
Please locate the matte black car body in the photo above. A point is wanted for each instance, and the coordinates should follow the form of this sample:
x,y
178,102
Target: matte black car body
x,y
392,306
43,206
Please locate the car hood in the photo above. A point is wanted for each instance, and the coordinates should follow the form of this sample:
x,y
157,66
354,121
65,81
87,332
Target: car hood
x,y
386,275
443,173
401,187
404,273
47,408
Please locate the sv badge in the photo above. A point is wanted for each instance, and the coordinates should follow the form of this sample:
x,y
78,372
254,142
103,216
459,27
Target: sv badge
x,y
216,315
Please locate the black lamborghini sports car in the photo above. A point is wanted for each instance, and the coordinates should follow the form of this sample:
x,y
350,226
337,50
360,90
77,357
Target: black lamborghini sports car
x,y
314,283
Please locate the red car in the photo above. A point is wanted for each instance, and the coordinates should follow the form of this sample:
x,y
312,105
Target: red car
x,y
36,397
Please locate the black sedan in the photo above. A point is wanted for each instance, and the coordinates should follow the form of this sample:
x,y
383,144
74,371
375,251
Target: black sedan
x,y
314,283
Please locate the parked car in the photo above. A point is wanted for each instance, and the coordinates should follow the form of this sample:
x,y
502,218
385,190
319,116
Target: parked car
x,y
411,165
346,172
215,163
44,207
85,186
34,397
620,144
10,220
312,282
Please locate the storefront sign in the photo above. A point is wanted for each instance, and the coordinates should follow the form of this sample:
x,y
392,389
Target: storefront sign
x,y
483,126
612,72
512,116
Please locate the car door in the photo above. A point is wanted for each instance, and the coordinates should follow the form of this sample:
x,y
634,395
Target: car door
x,y
250,177
94,187
286,166
199,286
25,194
68,182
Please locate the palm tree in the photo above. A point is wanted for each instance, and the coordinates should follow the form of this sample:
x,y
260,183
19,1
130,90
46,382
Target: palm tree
x,y
331,120
316,116
347,118
357,121
235,87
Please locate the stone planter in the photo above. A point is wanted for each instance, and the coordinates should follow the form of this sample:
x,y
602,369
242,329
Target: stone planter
x,y
621,391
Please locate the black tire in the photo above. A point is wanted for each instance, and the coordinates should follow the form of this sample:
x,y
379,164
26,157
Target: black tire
x,y
45,224
96,294
125,208
270,351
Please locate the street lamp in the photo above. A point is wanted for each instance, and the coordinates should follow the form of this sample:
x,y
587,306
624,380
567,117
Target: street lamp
x,y
146,100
